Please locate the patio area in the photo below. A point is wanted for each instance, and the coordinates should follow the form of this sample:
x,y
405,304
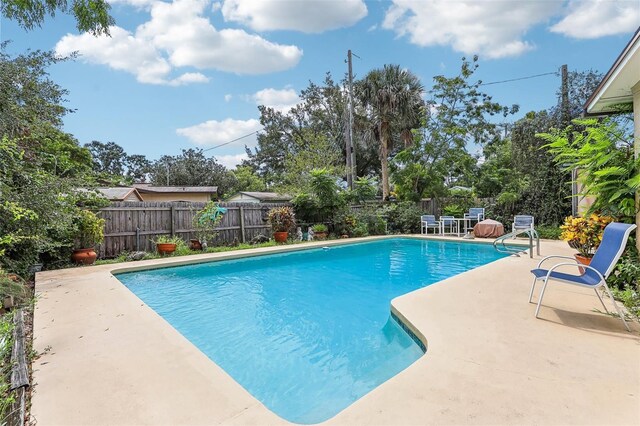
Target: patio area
x,y
109,359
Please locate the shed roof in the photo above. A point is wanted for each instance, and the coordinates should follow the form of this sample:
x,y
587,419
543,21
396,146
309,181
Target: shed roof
x,y
267,196
145,188
119,193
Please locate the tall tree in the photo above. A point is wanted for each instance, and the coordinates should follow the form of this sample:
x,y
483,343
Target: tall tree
x,y
27,95
90,15
320,114
191,168
457,115
108,158
389,93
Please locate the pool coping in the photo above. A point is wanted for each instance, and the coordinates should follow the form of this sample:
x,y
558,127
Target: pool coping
x,y
98,303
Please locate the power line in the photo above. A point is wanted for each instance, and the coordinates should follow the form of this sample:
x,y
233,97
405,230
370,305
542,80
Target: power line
x,y
520,78
232,141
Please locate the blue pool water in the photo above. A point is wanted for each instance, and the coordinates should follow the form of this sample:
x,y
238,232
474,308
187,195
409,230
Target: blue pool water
x,y
307,333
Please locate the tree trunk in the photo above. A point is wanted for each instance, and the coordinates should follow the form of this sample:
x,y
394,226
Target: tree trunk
x,y
384,160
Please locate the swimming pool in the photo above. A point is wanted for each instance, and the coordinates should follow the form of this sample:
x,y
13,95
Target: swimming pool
x,y
306,332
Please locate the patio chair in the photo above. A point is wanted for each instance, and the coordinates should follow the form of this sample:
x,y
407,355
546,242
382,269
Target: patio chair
x,y
448,222
522,222
428,221
604,260
475,215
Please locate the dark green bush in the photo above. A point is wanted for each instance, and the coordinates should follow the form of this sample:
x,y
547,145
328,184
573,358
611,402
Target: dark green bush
x,y
403,217
549,232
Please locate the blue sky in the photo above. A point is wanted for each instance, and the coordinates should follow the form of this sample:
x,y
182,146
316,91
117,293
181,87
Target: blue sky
x,y
190,73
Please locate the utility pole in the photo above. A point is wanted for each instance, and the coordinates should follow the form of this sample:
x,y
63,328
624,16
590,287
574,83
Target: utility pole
x,y
350,151
564,103
565,118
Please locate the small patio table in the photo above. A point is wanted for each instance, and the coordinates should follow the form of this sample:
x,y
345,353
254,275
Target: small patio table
x,y
460,225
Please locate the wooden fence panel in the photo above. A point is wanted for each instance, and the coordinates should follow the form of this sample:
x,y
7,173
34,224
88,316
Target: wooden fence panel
x,y
131,226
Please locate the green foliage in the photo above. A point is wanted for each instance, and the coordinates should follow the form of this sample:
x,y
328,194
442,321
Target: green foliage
x,y
13,286
191,168
545,191
282,219
345,222
323,201
168,239
370,221
625,280
27,95
365,189
457,114
402,217
390,94
91,15
206,221
310,135
247,180
90,229
549,232
7,397
320,228
602,152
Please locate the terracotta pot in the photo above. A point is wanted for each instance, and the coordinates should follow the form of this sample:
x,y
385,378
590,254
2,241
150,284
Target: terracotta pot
x,y
281,237
86,256
195,245
320,235
165,248
582,260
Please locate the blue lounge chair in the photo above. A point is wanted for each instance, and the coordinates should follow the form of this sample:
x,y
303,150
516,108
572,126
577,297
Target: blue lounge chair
x,y
448,222
428,221
604,260
522,222
475,215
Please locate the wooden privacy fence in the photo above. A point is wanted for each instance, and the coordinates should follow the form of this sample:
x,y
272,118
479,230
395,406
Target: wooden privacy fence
x,y
434,206
131,226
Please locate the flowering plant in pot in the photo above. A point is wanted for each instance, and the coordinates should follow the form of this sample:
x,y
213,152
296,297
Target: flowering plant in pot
x,y
89,231
584,234
282,220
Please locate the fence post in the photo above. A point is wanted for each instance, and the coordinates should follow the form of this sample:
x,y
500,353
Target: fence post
x,y
242,237
171,217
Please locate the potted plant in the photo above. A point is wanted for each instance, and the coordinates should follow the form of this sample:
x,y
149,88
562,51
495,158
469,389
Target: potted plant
x,y
205,222
166,244
584,234
319,231
89,232
282,219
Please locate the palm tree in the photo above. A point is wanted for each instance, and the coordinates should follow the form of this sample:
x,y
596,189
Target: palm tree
x,y
390,93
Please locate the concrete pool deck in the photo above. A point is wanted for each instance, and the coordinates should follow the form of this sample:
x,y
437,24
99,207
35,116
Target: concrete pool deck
x,y
107,358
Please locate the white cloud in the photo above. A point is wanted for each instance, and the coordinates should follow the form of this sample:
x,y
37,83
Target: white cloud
x,y
280,100
179,35
215,132
230,161
494,29
134,3
124,52
307,16
598,18
228,97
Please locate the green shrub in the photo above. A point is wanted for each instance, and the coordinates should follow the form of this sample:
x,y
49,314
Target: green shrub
x,y
372,220
90,229
403,217
549,232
